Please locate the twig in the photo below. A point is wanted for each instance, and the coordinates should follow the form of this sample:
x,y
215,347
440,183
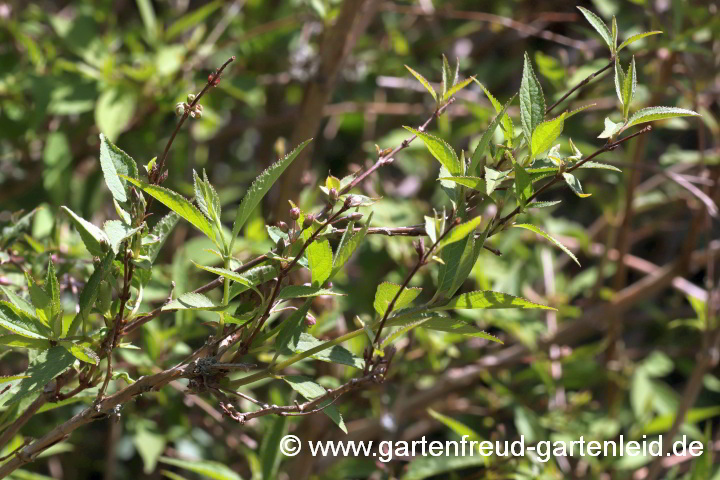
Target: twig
x,y
580,85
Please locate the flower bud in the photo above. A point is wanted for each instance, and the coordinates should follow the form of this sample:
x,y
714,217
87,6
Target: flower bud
x,y
420,247
333,195
179,109
309,219
282,226
280,246
294,213
191,97
355,216
310,320
348,201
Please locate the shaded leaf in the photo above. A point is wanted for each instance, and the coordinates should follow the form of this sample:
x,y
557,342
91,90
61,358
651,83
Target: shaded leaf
x,y
93,237
311,390
115,162
46,366
20,323
574,185
207,468
193,301
548,237
479,152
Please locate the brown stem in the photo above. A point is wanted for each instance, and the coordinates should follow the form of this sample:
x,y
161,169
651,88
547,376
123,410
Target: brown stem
x,y
580,85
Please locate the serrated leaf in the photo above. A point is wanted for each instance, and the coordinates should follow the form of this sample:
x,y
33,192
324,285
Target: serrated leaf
x,y
619,79
207,468
548,237
12,378
260,187
93,237
18,301
304,291
508,128
161,230
574,185
386,291
532,101
614,35
599,26
193,301
81,352
456,88
456,262
117,232
493,178
637,37
543,204
628,88
476,183
479,153
46,366
460,232
332,353
206,197
115,162
55,308
424,83
178,204
403,330
487,299
21,341
598,165
446,76
311,390
611,129
89,293
546,133
441,151
348,244
40,300
523,185
651,114
289,335
459,327
256,276
320,258
226,273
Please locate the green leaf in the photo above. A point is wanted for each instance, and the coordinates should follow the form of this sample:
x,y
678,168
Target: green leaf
x,y
458,327
441,151
548,237
651,114
487,299
270,448
457,261
331,353
161,231
422,467
386,291
494,178
20,323
46,366
256,276
619,79
479,152
150,446
320,258
532,101
289,335
193,301
446,77
117,232
207,198
178,204
55,308
260,187
476,183
305,291
508,128
456,88
18,301
114,110
611,129
12,378
89,292
546,133
598,25
402,331
614,35
41,301
523,185
93,237
574,185
20,341
114,162
637,37
81,352
348,244
192,18
456,426
311,390
597,165
628,88
207,468
663,423
431,228
460,232
224,272
424,83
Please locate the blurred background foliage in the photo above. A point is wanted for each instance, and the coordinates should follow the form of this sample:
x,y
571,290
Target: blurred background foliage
x,y
70,70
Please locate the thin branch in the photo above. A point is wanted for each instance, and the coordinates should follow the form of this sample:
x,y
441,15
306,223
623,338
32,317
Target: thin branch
x,y
580,85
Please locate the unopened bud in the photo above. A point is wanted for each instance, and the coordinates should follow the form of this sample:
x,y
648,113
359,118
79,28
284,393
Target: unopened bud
x,y
309,219
280,246
294,213
191,97
282,226
310,320
355,216
199,107
180,109
333,195
348,201
420,247
198,113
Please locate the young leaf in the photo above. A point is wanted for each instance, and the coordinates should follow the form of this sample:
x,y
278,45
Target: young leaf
x,y
386,291
117,232
548,237
532,101
494,178
18,301
546,133
523,185
619,79
611,129
161,231
651,114
507,124
46,366
81,352
456,88
424,83
348,244
460,232
89,293
311,390
486,299
52,289
479,152
628,88
446,77
206,468
94,239
598,25
305,291
193,301
20,323
327,353
574,185
441,151
206,197
476,183
614,34
115,162
260,187
460,327
320,258
430,229
178,204
637,37
41,301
